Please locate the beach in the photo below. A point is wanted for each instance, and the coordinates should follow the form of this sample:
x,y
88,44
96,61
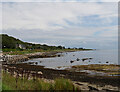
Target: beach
x,y
109,73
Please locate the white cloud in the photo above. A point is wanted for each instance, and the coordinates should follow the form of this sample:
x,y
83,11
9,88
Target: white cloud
x,y
74,34
45,23
111,32
42,15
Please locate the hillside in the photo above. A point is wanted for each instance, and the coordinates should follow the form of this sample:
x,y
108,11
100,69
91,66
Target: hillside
x,y
13,43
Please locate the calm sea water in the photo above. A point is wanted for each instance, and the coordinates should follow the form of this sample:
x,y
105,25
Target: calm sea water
x,y
98,57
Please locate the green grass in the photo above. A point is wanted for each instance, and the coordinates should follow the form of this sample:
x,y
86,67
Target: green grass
x,y
27,51
0,85
18,51
63,84
9,83
6,87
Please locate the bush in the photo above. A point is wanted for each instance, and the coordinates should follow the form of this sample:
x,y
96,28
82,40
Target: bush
x,y
63,84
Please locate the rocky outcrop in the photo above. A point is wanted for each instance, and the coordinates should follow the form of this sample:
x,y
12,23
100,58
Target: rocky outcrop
x,y
12,59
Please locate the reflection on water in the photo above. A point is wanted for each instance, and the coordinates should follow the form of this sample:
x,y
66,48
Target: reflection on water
x,y
79,58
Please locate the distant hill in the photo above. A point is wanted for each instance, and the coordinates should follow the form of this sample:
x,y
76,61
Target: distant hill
x,y
13,43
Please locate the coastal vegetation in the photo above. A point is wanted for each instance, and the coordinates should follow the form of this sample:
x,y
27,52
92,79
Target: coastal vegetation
x,y
27,51
52,80
9,42
13,46
10,83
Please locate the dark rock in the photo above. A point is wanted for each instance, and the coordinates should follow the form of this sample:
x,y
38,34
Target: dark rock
x,y
84,59
78,83
36,63
71,61
30,62
90,58
77,59
107,62
92,88
59,55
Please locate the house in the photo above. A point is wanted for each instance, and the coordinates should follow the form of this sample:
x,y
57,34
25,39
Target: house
x,y
21,46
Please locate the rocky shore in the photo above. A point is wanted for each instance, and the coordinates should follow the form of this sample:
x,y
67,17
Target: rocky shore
x,y
82,80
13,59
97,69
13,64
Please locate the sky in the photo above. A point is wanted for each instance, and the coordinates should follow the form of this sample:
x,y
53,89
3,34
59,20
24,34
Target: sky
x,y
60,22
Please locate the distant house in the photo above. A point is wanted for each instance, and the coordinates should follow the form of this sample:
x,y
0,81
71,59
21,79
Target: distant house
x,y
21,46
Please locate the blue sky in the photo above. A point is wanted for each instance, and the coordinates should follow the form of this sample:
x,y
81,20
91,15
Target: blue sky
x,y
88,25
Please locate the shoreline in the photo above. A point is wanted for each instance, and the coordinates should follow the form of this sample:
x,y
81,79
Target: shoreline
x,y
97,69
12,59
74,76
51,74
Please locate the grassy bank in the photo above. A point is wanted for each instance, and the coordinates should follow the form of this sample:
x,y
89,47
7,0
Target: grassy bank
x,y
27,51
10,83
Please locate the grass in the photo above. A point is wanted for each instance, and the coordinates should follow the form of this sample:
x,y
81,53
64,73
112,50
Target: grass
x,y
18,51
63,84
27,51
9,83
0,85
6,87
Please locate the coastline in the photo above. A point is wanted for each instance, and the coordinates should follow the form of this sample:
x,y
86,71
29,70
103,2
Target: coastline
x,y
24,57
51,74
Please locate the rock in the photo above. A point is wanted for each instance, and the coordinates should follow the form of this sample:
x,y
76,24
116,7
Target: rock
x,y
59,55
90,58
107,62
71,61
33,72
36,63
78,83
40,61
30,62
40,72
92,88
84,59
77,59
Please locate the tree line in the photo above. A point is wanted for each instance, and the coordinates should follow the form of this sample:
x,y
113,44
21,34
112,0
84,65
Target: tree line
x,y
10,42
